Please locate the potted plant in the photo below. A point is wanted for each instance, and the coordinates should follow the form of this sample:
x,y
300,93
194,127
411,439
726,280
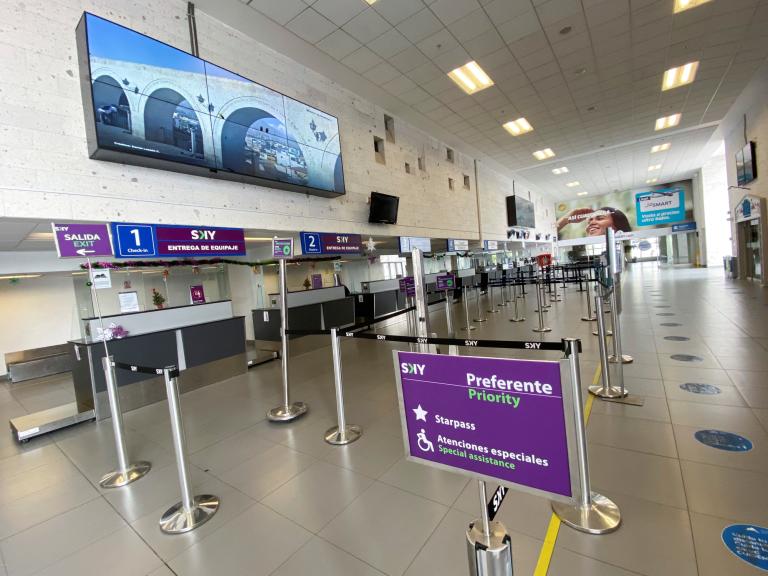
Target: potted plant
x,y
157,299
307,284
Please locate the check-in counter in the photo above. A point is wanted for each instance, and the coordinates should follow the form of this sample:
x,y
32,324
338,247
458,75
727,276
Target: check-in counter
x,y
205,341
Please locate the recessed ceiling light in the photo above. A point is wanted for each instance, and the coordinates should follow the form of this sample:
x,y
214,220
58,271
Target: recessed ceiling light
x,y
667,121
680,75
561,170
660,147
654,167
543,154
40,236
582,193
257,239
518,127
683,5
470,78
371,1
652,181
573,184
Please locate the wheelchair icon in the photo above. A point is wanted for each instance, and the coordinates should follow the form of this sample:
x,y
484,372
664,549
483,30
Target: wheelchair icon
x,y
424,444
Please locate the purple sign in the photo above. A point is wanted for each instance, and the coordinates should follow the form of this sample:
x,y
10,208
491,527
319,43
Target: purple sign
x,y
282,247
197,294
494,418
81,240
408,286
317,281
199,241
446,282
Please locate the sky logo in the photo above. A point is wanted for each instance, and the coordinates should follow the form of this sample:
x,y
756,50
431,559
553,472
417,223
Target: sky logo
x,y
409,368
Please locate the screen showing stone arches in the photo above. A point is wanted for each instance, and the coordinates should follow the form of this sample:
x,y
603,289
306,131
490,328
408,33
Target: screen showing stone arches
x,y
147,100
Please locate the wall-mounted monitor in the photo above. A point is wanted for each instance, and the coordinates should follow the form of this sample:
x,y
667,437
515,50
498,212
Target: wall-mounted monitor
x,y
746,165
150,104
408,243
383,208
520,212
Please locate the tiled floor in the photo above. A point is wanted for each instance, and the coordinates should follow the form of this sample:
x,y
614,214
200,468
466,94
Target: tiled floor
x,y
293,505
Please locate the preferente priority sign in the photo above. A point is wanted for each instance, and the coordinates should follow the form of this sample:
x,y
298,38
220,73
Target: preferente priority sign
x,y
495,419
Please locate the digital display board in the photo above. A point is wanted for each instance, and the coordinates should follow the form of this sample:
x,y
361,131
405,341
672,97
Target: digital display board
x,y
150,104
408,243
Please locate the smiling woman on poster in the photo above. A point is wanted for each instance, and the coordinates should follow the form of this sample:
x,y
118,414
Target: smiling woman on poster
x,y
597,221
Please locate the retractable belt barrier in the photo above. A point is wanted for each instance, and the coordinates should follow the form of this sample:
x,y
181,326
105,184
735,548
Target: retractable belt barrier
x,y
145,370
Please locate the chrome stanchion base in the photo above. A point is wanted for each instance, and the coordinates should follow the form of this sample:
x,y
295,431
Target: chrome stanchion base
x,y
587,319
610,393
493,311
608,333
337,438
601,517
287,413
545,329
502,304
544,310
468,328
117,479
517,319
479,319
625,359
176,520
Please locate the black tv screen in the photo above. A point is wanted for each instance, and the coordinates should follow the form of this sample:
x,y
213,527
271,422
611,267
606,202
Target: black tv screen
x,y
520,212
383,208
746,167
150,104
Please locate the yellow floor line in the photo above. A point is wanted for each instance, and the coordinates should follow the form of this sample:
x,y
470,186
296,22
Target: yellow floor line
x,y
548,548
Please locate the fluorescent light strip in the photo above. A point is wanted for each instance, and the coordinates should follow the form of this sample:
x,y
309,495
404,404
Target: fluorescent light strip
x,y
679,76
667,122
683,5
543,154
652,181
573,184
660,147
562,170
19,276
470,77
518,127
654,167
582,193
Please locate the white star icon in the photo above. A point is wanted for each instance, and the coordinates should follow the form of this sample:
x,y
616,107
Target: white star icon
x,y
421,414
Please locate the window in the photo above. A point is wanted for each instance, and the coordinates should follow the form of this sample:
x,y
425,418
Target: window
x,y
394,266
450,183
449,155
407,168
466,181
422,163
389,128
378,149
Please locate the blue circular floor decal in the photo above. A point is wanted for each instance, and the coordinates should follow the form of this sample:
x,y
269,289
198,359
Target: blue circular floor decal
x,y
748,543
727,441
687,358
697,388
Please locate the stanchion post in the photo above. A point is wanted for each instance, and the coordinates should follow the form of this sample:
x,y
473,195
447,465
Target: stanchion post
x,y
192,511
517,307
343,433
616,324
541,327
467,326
489,547
449,314
605,390
591,513
480,317
590,317
492,305
288,411
126,471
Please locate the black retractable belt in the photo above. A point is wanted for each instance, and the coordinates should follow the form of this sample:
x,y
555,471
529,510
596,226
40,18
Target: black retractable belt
x,y
174,371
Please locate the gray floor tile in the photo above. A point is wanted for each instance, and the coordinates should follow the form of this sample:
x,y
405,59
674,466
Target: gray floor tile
x,y
317,495
728,395
713,557
230,452
126,553
255,543
636,434
694,374
762,415
725,418
755,396
727,493
652,409
693,450
567,563
438,485
371,455
321,558
373,528
749,378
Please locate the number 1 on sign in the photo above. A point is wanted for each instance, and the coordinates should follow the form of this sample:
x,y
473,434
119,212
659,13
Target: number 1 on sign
x,y
136,237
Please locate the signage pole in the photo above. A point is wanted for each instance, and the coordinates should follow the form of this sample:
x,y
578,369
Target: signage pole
x,y
606,390
343,433
616,323
287,411
467,326
492,305
590,317
606,331
592,513
477,302
422,306
489,547
541,328
449,314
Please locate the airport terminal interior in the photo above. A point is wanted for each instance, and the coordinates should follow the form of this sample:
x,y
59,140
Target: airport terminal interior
x,y
384,288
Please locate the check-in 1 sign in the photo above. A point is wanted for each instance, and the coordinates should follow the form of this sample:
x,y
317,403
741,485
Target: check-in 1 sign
x,y
492,418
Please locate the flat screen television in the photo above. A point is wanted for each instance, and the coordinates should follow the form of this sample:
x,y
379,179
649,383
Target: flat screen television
x,y
746,167
520,212
150,104
383,208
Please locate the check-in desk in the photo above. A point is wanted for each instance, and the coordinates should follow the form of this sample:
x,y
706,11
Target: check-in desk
x,y
318,309
205,341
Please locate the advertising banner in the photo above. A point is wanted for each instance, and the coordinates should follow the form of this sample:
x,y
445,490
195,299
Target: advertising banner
x,y
81,240
628,212
154,240
490,418
197,294
320,243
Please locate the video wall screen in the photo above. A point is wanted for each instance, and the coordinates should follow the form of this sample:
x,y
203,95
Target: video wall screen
x,y
520,212
151,104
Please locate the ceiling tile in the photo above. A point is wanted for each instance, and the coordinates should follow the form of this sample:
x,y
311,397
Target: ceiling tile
x,y
484,44
362,60
338,44
414,96
395,11
452,59
471,26
311,26
519,27
424,72
366,26
338,11
501,11
281,12
451,10
437,44
420,26
389,43
409,59
382,73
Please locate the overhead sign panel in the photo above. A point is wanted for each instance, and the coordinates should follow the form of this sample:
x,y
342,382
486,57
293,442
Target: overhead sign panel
x,y
408,243
455,245
82,240
330,243
282,247
490,418
491,244
156,240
